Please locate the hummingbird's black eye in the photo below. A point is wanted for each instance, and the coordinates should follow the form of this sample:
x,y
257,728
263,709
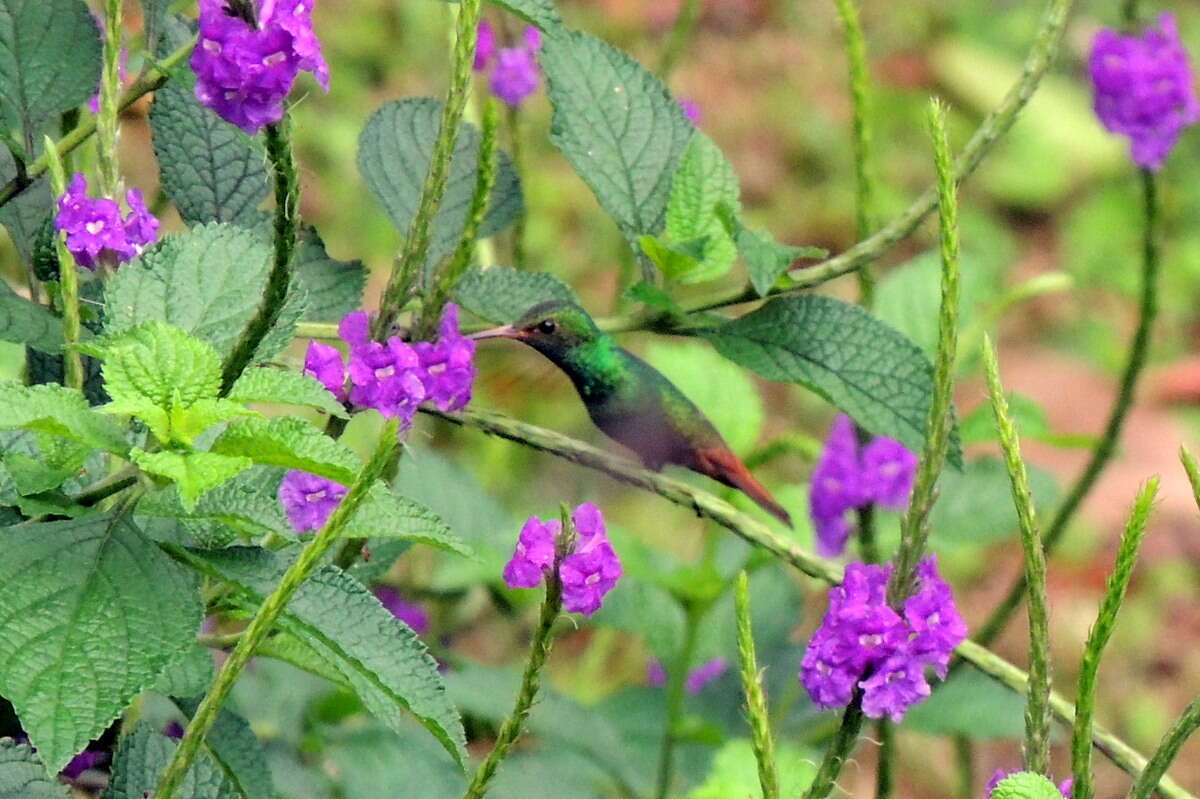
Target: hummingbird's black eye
x,y
547,326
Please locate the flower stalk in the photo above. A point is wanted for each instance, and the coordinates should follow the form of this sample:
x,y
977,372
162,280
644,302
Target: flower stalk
x,y
679,36
110,89
676,680
756,701
1151,778
68,281
839,749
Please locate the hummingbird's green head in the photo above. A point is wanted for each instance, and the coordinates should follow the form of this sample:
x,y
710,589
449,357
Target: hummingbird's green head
x,y
553,328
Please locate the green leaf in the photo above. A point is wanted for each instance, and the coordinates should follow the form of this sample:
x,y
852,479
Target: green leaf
x,y
1025,785
154,14
25,322
22,775
385,514
157,363
207,282
654,296
247,503
766,259
541,13
969,704
194,473
188,423
291,443
49,61
394,152
334,288
500,294
188,676
237,752
735,772
263,384
674,260
389,669
618,126
144,754
26,215
704,182
975,508
31,476
59,411
211,170
842,353
90,615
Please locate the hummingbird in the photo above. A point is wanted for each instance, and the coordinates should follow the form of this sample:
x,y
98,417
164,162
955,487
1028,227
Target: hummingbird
x,y
631,401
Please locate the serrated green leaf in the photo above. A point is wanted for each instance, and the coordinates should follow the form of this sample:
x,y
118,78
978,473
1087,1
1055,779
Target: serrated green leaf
x,y
211,170
194,473
188,423
385,514
158,363
654,296
49,60
144,754
190,675
766,259
335,288
379,657
541,13
704,182
285,387
22,775
500,294
207,282
1025,785
839,351
618,126
30,475
59,411
248,503
291,443
394,152
25,322
236,751
674,260
24,216
969,704
90,616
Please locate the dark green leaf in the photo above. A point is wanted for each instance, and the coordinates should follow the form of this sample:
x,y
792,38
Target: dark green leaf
x,y
335,288
188,676
144,754
292,443
500,294
248,504
541,13
969,704
975,508
59,411
154,13
370,762
25,215
22,775
394,152
237,753
766,259
841,352
385,514
90,616
25,322
617,125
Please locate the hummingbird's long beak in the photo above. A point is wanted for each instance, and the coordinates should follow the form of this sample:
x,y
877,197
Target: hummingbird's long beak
x,y
507,331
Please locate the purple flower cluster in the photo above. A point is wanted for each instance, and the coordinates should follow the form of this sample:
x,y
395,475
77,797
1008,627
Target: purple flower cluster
x,y
587,573
410,613
243,70
1144,88
1064,787
864,642
395,377
308,500
847,477
697,679
95,229
515,71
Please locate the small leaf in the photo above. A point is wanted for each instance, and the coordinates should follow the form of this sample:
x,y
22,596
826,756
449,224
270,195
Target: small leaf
x,y
291,443
59,411
704,182
541,13
618,126
384,514
653,296
334,288
676,261
500,294
157,363
248,503
1025,785
140,761
90,615
22,775
766,259
262,384
841,352
188,423
394,152
194,473
25,322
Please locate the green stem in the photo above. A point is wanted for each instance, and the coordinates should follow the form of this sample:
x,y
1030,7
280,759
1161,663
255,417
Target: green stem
x,y
283,264
885,779
1106,619
513,118
310,557
964,766
68,279
110,89
840,748
679,36
1138,353
406,271
756,701
103,489
1193,472
1037,708
1152,775
155,78
675,700
914,529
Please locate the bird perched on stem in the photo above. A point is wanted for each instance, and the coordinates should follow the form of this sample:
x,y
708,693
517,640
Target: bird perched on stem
x,y
630,400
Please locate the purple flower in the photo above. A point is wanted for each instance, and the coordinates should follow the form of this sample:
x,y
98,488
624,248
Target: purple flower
x,y
94,227
691,110
999,774
244,71
933,618
410,613
448,364
894,686
308,499
1144,89
387,377
485,45
516,75
173,730
887,474
87,759
325,364
703,674
656,675
534,555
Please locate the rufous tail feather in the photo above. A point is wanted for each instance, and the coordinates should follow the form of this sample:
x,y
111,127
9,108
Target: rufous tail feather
x,y
725,467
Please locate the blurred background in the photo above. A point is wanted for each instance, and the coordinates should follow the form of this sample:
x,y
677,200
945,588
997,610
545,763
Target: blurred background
x,y
1051,226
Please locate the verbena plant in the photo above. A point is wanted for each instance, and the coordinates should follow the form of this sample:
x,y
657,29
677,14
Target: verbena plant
x,y
159,508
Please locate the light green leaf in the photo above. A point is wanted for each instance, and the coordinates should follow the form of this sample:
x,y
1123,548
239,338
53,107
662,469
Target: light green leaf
x,y
157,363
59,411
654,296
618,126
188,423
385,514
389,668
248,503
25,322
500,294
1025,785
194,473
49,61
91,614
291,443
334,288
541,13
394,152
32,476
969,704
22,775
704,182
842,353
766,259
144,754
735,772
262,384
675,260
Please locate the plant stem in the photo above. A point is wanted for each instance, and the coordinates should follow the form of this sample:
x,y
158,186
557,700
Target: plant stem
x,y
1193,472
964,765
1085,700
1151,777
679,37
675,699
884,771
406,271
110,89
1037,708
840,748
68,280
310,557
756,701
513,118
103,489
155,78
1138,352
283,263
